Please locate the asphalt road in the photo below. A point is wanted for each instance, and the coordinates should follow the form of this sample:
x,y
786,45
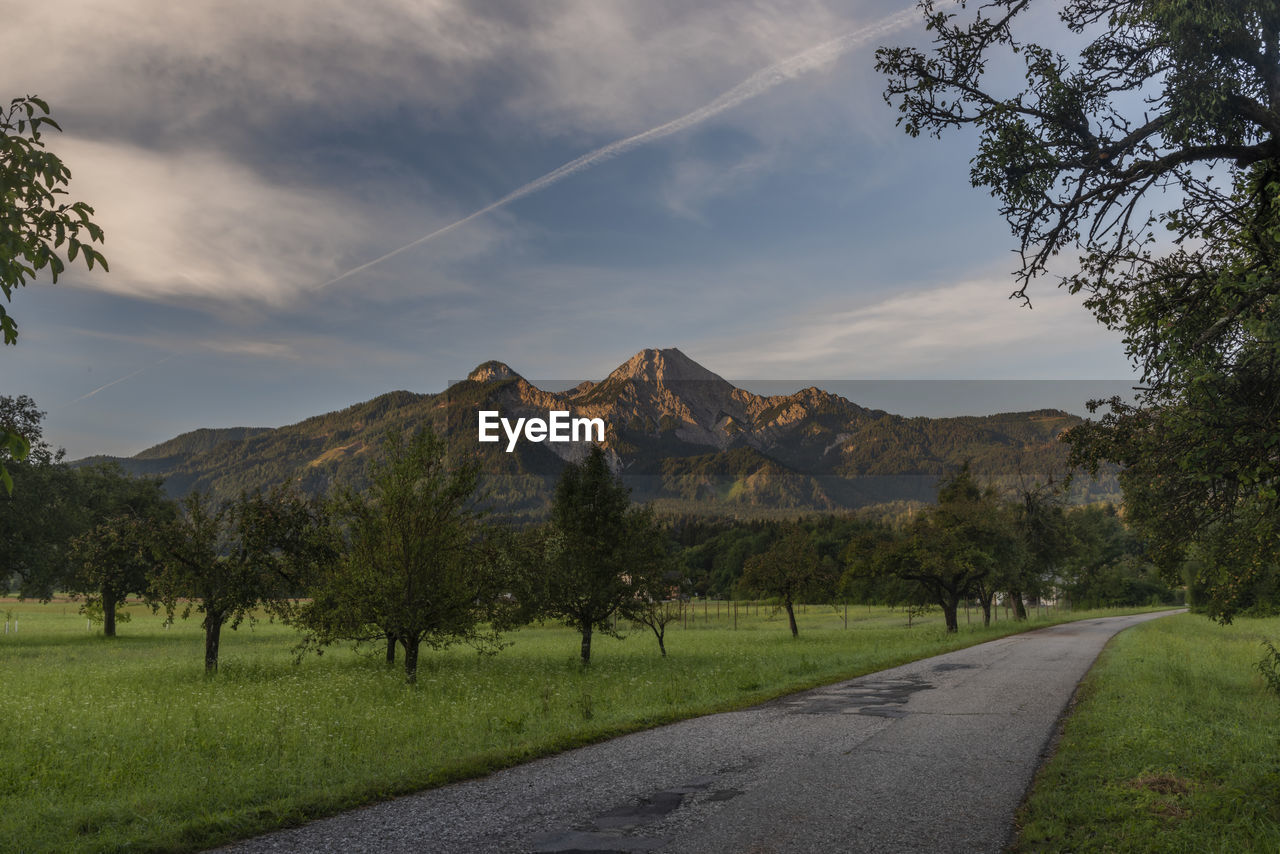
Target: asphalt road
x,y
932,756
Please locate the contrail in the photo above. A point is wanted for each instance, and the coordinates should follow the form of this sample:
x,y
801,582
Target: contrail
x,y
114,382
757,84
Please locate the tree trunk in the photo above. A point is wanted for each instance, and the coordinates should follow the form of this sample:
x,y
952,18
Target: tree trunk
x,y
586,643
986,608
791,617
949,609
410,661
662,647
212,634
108,612
1019,609
391,649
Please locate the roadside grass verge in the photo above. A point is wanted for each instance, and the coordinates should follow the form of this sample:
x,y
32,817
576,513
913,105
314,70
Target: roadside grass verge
x,y
1172,746
125,744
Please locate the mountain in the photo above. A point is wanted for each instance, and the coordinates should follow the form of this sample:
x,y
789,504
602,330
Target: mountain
x,y
677,432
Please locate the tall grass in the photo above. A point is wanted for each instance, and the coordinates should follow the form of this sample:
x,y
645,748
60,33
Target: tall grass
x,y
126,744
1172,747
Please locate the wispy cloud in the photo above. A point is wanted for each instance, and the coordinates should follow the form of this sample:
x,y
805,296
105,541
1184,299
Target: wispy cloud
x,y
805,62
929,333
197,224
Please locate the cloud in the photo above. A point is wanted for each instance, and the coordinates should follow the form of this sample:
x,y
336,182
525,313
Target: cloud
x,y
695,182
970,325
809,60
596,66
196,224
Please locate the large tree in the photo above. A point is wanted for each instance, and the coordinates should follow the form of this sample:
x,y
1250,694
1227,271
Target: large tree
x,y
1151,151
604,559
112,557
417,564
227,562
967,545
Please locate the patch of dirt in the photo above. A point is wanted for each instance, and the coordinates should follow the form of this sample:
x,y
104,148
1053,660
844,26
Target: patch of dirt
x,y
1169,810
1164,784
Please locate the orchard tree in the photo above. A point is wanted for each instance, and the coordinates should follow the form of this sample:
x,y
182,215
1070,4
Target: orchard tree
x,y
416,565
111,561
228,561
789,568
1152,152
1041,524
659,587
602,555
964,546
113,557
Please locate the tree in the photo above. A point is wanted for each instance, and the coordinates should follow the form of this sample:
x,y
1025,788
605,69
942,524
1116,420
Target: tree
x,y
416,564
598,551
34,226
1040,522
659,587
789,568
36,524
226,562
113,558
110,562
1155,154
965,545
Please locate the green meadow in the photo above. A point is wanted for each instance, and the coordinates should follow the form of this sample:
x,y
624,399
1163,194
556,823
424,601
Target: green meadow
x,y
126,744
1174,745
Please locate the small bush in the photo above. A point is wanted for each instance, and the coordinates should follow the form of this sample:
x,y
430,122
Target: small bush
x,y
1269,667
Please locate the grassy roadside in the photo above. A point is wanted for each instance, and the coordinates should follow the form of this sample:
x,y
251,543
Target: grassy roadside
x,y
126,745
1171,747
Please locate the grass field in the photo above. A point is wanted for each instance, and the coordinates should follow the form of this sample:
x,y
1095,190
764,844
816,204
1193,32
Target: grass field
x,y
125,744
1173,747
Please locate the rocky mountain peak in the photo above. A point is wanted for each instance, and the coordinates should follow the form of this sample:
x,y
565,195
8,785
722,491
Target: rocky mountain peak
x,y
664,367
492,371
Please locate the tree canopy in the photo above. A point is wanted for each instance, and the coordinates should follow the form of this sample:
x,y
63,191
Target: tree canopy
x,y
1150,149
226,562
34,227
415,564
604,559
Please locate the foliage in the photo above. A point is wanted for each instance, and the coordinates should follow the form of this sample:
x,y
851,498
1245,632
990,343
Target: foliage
x,y
656,615
966,545
226,562
34,225
1173,101
1269,666
1041,523
111,561
14,446
36,522
604,559
790,569
417,564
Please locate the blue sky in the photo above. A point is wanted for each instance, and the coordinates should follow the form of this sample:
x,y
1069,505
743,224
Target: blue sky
x,y
241,159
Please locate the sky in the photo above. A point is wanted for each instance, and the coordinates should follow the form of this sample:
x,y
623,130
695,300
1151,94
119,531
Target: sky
x,y
308,203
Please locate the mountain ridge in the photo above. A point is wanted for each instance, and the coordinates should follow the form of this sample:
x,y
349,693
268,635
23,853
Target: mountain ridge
x,y
675,431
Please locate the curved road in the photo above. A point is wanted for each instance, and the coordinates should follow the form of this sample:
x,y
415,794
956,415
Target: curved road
x,y
931,756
